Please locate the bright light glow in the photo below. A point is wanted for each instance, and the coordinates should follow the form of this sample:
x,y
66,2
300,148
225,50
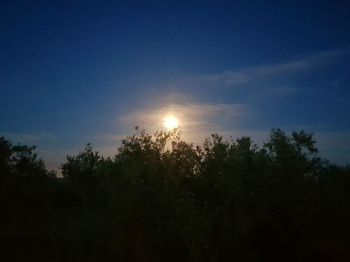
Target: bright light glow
x,y
171,122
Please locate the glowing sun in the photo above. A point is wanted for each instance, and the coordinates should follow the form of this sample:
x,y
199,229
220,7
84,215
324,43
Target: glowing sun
x,y
171,122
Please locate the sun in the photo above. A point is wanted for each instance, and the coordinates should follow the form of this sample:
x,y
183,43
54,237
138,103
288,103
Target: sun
x,y
171,122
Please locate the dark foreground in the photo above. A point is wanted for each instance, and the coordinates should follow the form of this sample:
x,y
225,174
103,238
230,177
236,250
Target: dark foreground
x,y
223,201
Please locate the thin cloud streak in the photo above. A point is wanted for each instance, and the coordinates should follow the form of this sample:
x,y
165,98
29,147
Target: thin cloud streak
x,y
241,77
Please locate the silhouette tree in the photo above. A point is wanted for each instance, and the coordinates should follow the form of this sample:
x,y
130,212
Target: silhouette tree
x,y
163,199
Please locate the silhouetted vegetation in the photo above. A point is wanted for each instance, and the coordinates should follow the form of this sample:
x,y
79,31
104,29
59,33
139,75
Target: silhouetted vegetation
x,y
162,199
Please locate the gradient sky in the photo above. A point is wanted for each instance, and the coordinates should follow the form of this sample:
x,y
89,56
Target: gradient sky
x,y
73,72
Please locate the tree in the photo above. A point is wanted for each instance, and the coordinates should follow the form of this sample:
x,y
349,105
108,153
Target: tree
x,y
84,173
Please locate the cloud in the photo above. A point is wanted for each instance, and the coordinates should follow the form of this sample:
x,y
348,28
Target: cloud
x,y
246,75
229,77
272,93
190,114
197,120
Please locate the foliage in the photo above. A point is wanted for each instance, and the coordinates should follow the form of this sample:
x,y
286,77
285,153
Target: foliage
x,y
163,199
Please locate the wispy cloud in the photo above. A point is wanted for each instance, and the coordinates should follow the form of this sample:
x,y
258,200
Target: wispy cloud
x,y
190,114
197,120
229,77
246,75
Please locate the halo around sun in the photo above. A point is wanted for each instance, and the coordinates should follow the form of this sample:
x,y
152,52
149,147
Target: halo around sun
x,y
171,122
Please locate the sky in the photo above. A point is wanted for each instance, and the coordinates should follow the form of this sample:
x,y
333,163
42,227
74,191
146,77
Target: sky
x,y
73,72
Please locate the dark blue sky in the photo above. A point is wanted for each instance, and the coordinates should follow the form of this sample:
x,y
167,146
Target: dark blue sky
x,y
73,72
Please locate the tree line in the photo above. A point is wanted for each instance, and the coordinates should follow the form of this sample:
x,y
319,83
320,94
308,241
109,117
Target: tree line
x,y
163,199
